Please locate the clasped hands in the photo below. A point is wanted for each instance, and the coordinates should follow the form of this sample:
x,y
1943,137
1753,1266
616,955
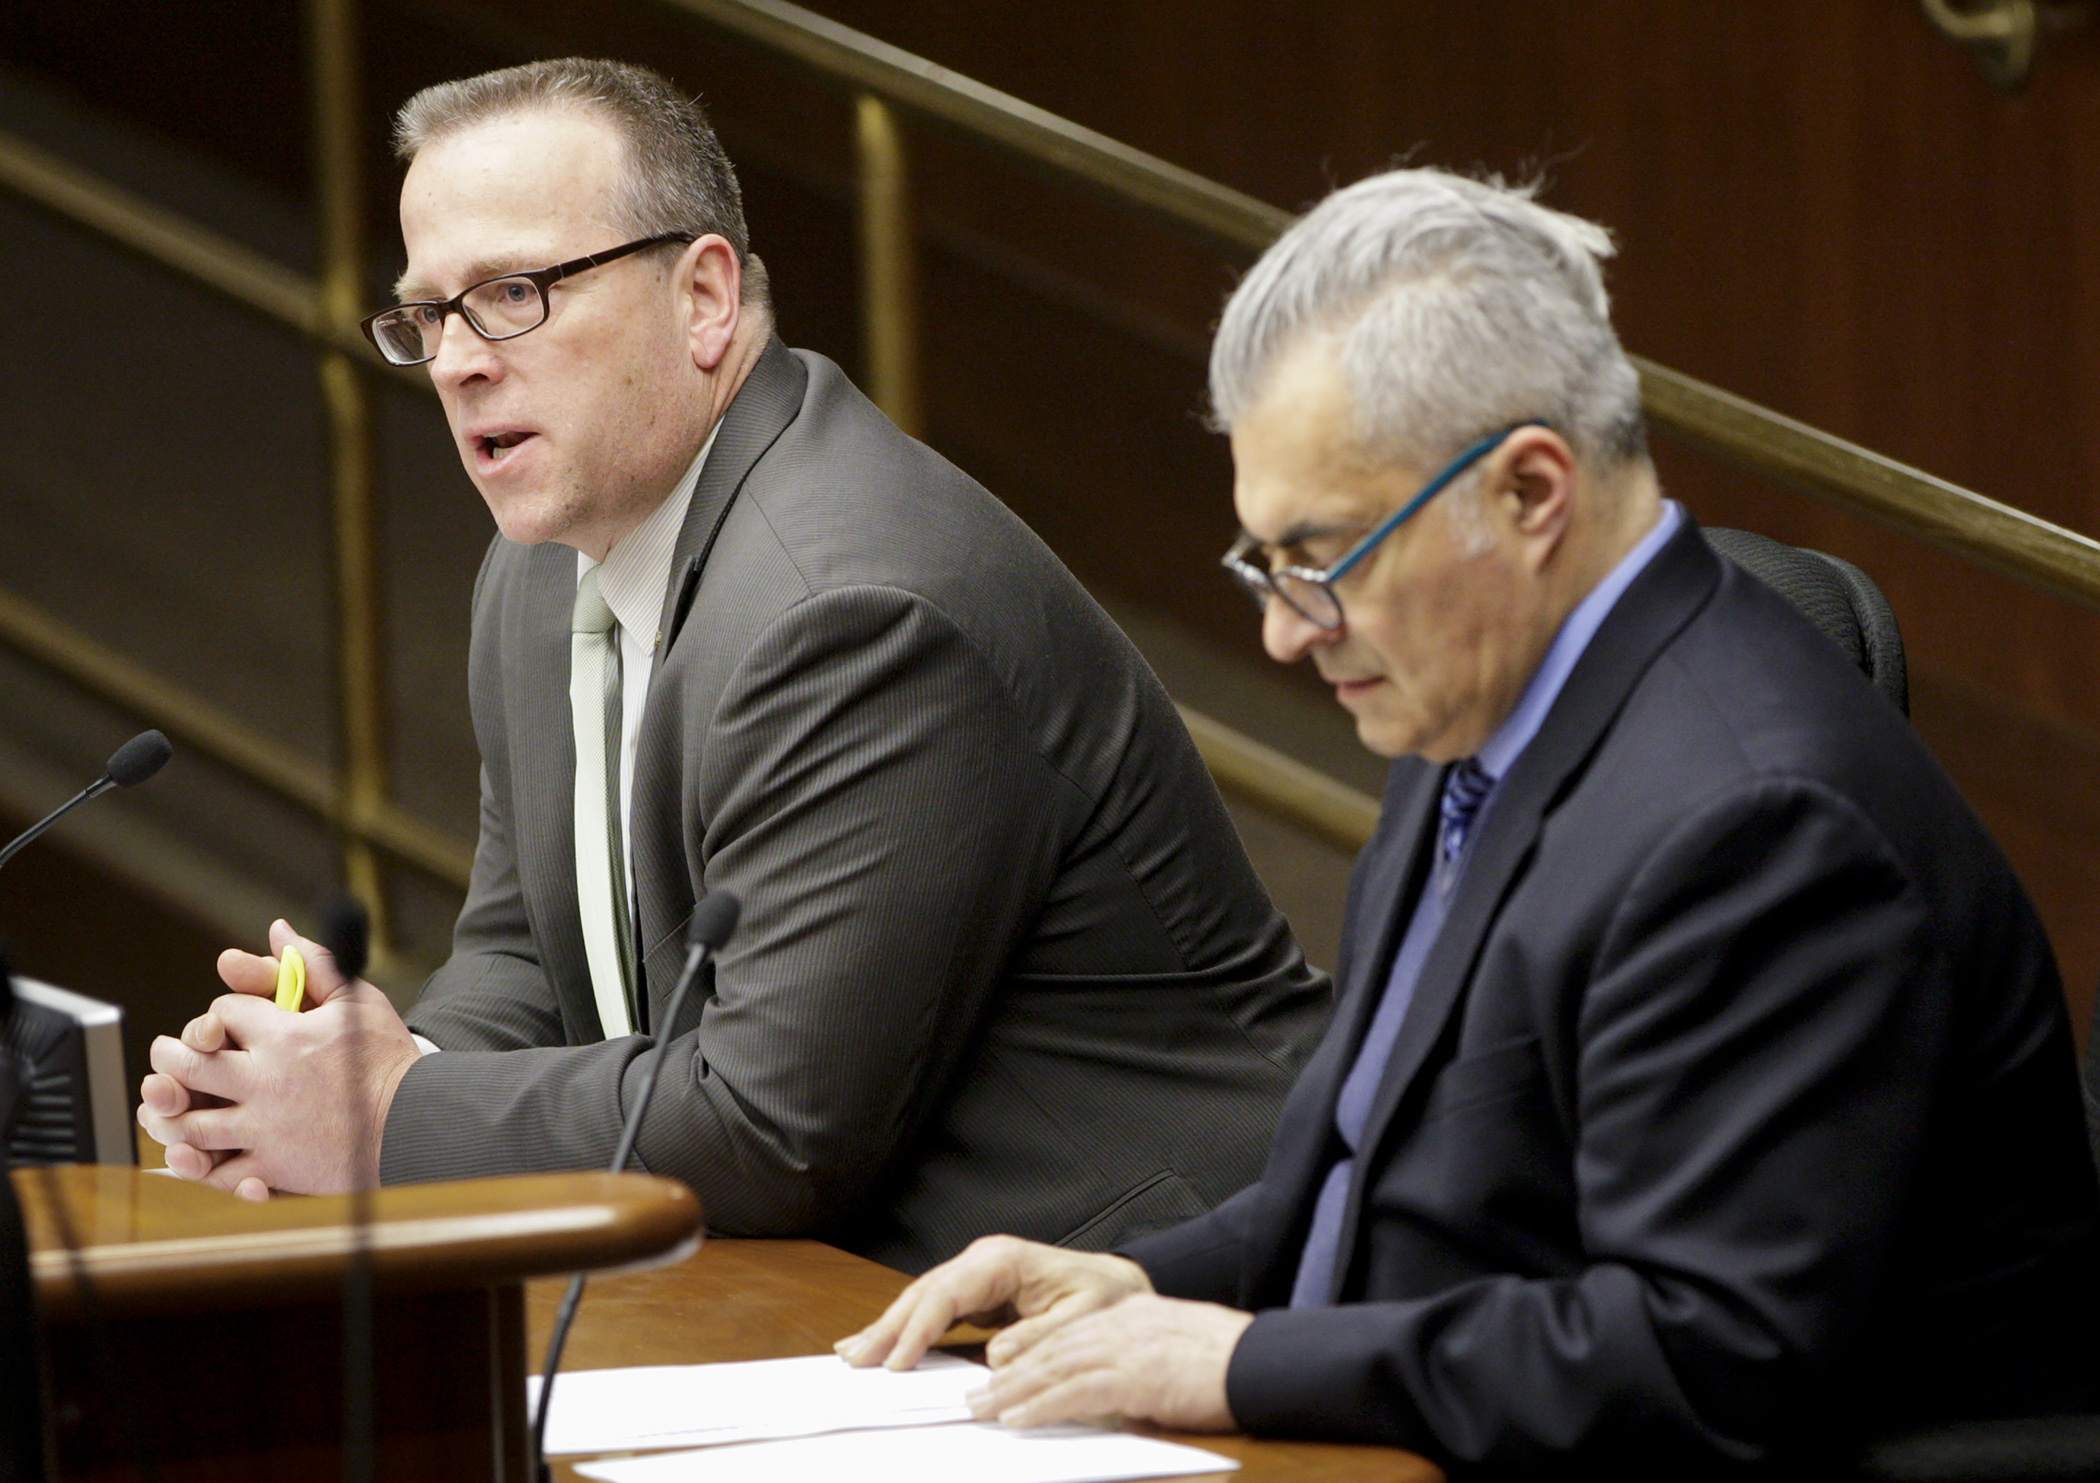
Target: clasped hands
x,y
1085,1337
254,1099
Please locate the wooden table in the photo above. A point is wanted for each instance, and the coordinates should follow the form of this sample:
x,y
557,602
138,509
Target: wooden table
x,y
776,1299
193,1336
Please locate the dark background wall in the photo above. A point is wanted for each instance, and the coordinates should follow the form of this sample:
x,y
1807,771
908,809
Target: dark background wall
x,y
1820,205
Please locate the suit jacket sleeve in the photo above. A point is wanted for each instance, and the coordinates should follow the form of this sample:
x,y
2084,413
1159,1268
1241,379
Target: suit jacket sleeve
x,y
1199,1259
864,787
1751,1091
492,993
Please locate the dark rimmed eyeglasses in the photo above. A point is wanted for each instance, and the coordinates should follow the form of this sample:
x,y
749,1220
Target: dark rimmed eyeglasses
x,y
1309,591
500,308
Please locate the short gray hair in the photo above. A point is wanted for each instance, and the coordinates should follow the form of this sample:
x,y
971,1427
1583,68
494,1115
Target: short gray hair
x,y
1459,307
678,179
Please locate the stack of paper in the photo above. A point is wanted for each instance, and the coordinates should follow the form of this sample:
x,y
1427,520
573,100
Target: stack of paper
x,y
983,1452
819,1418
700,1405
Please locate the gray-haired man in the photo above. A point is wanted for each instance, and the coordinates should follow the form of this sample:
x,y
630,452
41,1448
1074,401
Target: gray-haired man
x,y
1002,962
1699,1091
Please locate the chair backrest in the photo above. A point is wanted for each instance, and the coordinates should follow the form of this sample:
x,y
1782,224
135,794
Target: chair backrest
x,y
1835,595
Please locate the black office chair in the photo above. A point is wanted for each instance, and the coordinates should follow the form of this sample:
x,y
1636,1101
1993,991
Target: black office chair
x,y
1835,595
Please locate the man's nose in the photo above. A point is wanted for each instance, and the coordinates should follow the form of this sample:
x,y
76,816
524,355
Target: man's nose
x,y
1288,635
462,354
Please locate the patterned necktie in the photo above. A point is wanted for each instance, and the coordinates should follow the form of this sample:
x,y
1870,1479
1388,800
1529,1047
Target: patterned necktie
x,y
601,858
1466,787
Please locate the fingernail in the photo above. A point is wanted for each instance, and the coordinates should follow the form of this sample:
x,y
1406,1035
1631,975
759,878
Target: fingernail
x,y
849,1349
980,1403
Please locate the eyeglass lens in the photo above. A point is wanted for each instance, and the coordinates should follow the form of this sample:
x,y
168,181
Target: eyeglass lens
x,y
498,309
1310,600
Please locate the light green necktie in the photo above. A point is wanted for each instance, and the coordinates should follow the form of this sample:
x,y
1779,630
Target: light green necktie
x,y
601,859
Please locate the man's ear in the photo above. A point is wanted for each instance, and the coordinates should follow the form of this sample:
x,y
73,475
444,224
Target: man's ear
x,y
1537,476
710,285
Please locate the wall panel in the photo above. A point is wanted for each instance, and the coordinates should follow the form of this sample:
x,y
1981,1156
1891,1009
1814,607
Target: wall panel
x,y
1820,204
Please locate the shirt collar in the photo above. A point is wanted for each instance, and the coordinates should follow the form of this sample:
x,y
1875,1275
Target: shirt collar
x,y
1502,749
637,569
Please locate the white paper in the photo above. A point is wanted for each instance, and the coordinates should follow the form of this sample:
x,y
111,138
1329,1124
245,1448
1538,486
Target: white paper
x,y
983,1452
627,1410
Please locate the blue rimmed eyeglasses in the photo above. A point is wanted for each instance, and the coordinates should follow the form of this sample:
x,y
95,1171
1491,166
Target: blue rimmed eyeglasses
x,y
1309,592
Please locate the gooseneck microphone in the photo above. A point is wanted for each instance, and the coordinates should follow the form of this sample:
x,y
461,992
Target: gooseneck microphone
x,y
346,931
713,920
130,765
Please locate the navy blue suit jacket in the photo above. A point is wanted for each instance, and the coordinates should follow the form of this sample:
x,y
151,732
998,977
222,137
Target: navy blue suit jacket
x,y
1734,1115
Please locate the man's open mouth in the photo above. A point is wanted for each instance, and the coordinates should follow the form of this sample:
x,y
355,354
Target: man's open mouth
x,y
497,446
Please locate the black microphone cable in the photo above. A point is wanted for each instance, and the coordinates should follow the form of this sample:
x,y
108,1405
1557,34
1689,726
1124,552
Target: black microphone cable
x,y
713,920
130,765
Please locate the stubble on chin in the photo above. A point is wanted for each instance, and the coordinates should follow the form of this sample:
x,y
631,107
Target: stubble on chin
x,y
536,517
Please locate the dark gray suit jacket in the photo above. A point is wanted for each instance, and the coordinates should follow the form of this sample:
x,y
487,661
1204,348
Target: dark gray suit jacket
x,y
1003,965
1734,1114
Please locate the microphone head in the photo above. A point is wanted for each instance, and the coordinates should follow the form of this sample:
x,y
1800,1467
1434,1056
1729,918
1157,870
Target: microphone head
x,y
713,920
139,758
346,931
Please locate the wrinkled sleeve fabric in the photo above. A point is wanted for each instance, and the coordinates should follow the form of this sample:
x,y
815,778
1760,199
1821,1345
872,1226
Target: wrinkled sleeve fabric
x,y
866,790
1199,1259
1752,1085
491,994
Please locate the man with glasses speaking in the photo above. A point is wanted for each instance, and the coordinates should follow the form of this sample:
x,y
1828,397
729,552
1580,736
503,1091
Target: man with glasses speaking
x,y
1699,1091
1002,962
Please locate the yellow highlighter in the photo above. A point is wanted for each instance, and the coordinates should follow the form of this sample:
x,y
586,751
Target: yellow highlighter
x,y
291,980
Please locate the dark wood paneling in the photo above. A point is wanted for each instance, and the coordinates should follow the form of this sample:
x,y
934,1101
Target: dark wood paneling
x,y
1820,205
223,76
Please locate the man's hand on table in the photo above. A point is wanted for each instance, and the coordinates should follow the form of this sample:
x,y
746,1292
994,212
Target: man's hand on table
x,y
1086,1337
254,1099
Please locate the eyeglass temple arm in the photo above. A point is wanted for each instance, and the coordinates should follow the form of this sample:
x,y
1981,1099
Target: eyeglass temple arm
x,y
1452,470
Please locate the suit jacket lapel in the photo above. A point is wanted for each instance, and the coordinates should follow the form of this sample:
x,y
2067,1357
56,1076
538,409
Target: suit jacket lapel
x,y
765,404
1660,601
543,776
1393,868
